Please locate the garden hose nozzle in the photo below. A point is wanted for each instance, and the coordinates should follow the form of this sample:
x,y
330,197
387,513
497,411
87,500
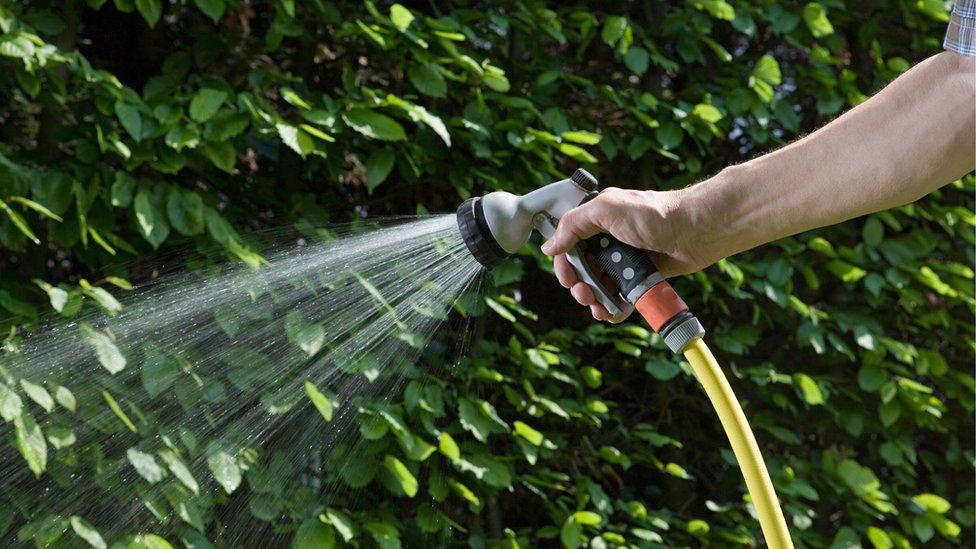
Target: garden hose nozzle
x,y
496,225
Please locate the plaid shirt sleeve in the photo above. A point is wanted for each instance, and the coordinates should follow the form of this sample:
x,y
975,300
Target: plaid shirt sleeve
x,y
961,34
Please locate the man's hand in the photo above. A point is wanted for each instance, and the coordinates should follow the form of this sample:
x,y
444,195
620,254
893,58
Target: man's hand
x,y
645,219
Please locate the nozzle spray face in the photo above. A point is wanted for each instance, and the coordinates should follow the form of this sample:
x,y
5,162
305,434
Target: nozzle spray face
x,y
476,233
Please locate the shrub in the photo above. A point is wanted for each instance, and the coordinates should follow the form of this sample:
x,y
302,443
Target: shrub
x,y
134,128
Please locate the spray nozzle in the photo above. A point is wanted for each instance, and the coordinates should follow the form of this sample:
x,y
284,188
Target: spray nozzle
x,y
496,225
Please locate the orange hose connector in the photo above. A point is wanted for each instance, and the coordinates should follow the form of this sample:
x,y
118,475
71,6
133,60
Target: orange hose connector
x,y
660,304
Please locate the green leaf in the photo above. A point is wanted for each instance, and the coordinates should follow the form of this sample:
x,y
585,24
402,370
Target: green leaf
x,y
145,465
60,437
151,221
313,534
321,402
669,135
295,138
587,518
185,211
214,9
149,541
581,136
571,533
873,232
932,502
317,133
767,70
845,271
708,113
38,394
592,377
101,296
30,442
870,377
64,397
225,470
311,338
429,519
19,222
811,392
36,207
422,115
107,353
151,10
816,20
158,371
16,46
10,403
475,421
858,478
117,410
765,76
637,59
427,80
342,523
206,103
384,534
182,137
528,433
448,447
225,125
496,81
130,118
400,16
122,189
879,538
292,98
87,532
718,9
403,475
179,470
613,30
577,153
374,125
222,154
378,167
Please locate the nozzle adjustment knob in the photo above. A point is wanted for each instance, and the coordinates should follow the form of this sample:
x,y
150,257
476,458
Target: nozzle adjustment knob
x,y
584,179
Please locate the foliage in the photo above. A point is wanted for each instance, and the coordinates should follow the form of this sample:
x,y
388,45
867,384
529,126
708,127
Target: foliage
x,y
134,127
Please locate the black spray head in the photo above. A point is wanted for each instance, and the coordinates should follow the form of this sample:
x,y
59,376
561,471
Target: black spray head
x,y
476,233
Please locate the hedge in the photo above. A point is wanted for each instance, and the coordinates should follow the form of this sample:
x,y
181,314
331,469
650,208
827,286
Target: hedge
x,y
140,135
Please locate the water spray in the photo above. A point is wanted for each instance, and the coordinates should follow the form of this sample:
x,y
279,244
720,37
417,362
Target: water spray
x,y
496,225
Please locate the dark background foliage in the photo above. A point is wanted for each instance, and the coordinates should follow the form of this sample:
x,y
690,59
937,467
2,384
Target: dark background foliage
x,y
132,128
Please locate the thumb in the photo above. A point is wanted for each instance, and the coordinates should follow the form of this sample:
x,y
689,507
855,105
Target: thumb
x,y
578,224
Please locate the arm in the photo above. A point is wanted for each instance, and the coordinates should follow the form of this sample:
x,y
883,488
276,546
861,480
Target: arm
x,y
914,136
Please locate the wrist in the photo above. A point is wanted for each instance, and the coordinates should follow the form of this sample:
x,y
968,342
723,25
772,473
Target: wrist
x,y
707,227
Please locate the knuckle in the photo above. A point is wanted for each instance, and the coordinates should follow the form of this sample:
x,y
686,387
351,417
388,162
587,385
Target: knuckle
x,y
568,219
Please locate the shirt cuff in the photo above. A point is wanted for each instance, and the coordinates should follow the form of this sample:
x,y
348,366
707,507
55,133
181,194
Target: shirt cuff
x,y
961,34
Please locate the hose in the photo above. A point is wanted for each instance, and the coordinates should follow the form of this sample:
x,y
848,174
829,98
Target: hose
x,y
743,443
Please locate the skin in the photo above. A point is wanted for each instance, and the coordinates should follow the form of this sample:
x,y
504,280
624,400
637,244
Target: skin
x,y
916,135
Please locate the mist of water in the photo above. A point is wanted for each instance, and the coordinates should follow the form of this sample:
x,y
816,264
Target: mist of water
x,y
218,370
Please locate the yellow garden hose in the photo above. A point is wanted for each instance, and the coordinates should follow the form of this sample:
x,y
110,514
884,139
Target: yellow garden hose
x,y
717,387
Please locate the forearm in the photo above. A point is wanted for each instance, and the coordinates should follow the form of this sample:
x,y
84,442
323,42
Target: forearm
x,y
914,136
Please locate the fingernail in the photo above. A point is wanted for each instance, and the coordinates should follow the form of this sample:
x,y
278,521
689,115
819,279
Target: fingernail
x,y
547,247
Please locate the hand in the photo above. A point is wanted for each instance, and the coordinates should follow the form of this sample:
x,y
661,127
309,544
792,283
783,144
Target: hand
x,y
645,219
